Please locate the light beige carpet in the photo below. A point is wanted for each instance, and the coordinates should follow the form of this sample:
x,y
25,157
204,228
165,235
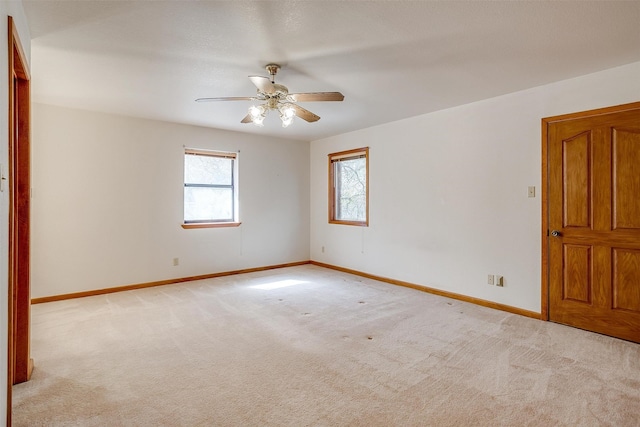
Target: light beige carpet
x,y
307,346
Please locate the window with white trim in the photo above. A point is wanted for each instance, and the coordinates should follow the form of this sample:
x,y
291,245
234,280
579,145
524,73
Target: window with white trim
x,y
210,188
349,187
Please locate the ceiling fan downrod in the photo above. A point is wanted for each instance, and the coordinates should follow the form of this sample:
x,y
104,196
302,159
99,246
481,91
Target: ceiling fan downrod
x,y
272,69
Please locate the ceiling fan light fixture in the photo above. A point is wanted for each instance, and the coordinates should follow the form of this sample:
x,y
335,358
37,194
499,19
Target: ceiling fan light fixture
x,y
287,110
257,111
286,121
287,113
257,114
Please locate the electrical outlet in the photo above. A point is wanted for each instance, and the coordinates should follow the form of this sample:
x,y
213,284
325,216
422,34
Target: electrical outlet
x,y
490,279
498,280
176,262
323,249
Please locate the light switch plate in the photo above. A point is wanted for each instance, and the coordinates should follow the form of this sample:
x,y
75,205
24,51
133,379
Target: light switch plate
x,y
532,191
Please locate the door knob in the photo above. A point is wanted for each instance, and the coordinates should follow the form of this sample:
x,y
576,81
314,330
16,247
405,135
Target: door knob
x,y
556,233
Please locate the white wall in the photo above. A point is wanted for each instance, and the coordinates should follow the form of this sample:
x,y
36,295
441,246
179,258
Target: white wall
x,y
14,9
107,202
448,191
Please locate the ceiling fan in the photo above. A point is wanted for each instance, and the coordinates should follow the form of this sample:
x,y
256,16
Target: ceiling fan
x,y
277,97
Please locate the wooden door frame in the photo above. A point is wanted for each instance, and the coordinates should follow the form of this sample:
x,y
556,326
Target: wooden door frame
x,y
19,126
546,122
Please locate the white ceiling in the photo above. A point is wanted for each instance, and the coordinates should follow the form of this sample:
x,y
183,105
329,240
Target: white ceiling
x,y
391,59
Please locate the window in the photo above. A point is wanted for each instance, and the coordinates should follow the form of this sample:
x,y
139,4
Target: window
x,y
210,189
349,187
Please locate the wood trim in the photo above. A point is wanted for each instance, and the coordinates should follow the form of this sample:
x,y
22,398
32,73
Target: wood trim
x,y
211,225
211,153
465,298
21,207
546,122
330,192
17,58
544,231
161,283
356,223
211,222
590,113
332,208
367,189
349,153
10,321
447,294
19,363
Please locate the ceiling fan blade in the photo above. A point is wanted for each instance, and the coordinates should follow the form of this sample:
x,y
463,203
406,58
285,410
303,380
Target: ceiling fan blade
x,y
228,98
263,84
247,119
305,114
316,96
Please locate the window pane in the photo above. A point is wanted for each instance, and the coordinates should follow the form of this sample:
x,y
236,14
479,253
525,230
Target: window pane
x,y
208,204
351,189
207,170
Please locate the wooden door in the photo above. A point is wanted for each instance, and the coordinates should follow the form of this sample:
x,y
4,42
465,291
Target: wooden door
x,y
594,221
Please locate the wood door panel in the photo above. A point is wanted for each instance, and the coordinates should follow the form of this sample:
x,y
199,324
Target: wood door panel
x,y
576,285
600,321
625,285
621,238
593,202
576,180
626,179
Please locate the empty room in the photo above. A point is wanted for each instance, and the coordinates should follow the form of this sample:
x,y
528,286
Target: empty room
x,y
320,213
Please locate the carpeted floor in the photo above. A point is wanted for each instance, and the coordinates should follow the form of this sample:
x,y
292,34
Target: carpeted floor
x,y
307,346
